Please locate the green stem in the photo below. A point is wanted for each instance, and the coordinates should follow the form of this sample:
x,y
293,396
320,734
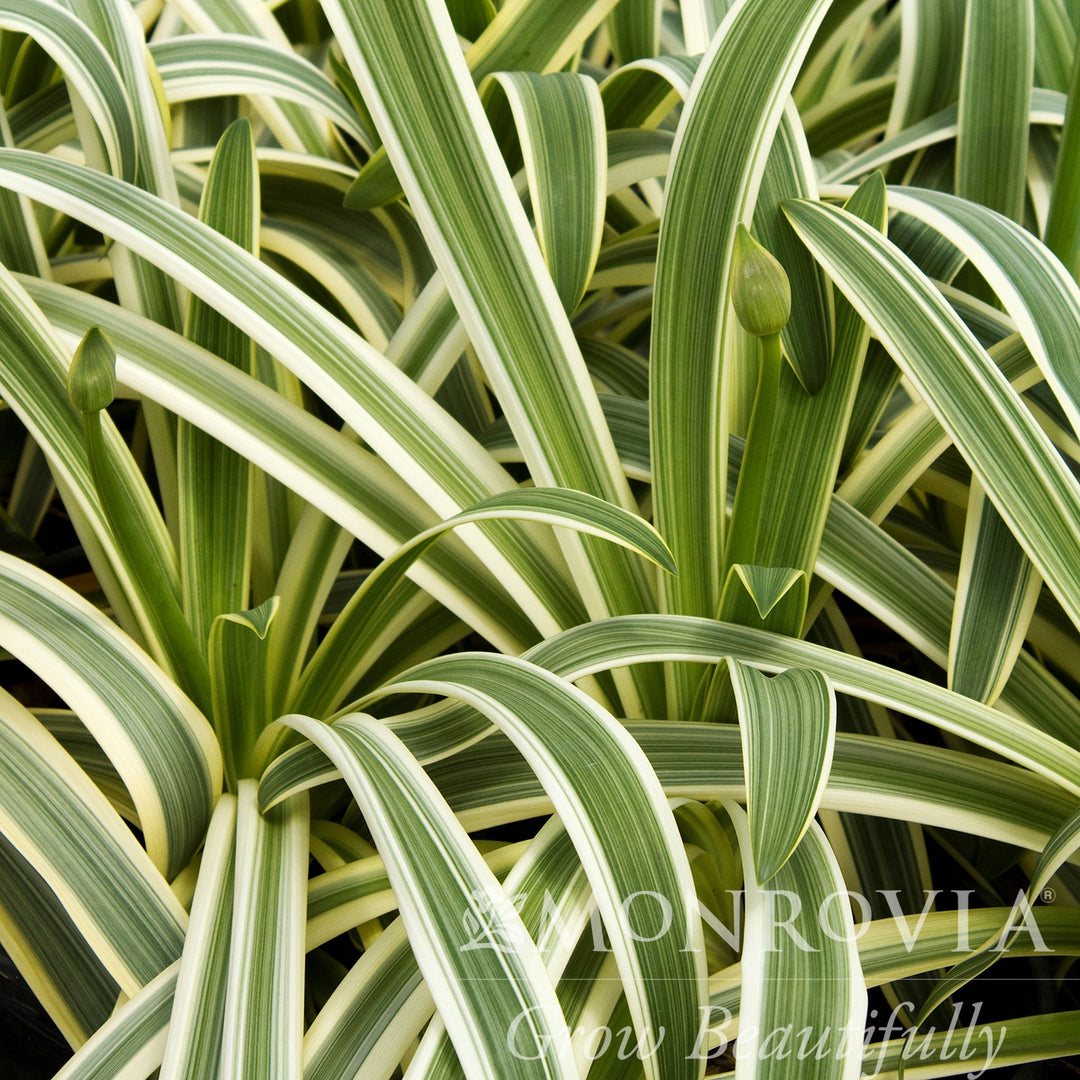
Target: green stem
x,y
750,492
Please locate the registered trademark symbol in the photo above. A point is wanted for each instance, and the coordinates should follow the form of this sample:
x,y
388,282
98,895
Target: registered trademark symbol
x,y
1048,895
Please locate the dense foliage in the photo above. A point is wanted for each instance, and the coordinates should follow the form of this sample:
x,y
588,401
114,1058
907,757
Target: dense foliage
x,y
540,539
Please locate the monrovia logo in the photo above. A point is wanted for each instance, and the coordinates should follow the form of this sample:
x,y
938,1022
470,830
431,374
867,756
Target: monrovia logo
x,y
650,916
966,1043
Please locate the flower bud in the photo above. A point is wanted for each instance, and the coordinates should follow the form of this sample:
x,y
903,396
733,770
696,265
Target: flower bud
x,y
92,375
760,292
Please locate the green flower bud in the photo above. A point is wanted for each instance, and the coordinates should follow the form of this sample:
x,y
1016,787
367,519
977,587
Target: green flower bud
x,y
92,375
760,291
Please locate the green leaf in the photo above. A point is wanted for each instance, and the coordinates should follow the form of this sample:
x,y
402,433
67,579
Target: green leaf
x,y
87,855
88,69
193,1046
768,597
132,1042
777,972
60,967
240,683
634,27
348,483
612,806
645,639
1021,471
439,880
560,123
788,726
1035,289
194,66
214,482
805,459
1063,222
333,670
93,381
995,599
263,1026
1063,844
995,99
723,142
930,60
414,77
525,35
789,173
295,127
161,745
369,393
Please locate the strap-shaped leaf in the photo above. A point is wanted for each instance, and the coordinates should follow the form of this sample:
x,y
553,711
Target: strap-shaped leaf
x,y
788,726
723,142
332,670
804,463
88,69
1042,1037
471,17
1047,107
779,970
866,563
196,65
132,1042
930,58
296,127
634,27
193,1047
364,1014
525,35
374,1014
490,783
998,585
1063,844
646,638
240,683
610,803
264,1012
768,597
133,522
1013,458
642,93
418,87
885,858
995,99
38,394
214,482
160,744
1063,221
346,482
995,599
560,124
359,891
789,173
1034,287
87,855
439,879
398,420
59,965
22,249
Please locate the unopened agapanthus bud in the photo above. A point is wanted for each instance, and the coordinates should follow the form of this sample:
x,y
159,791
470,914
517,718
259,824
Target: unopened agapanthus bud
x,y
760,292
92,375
